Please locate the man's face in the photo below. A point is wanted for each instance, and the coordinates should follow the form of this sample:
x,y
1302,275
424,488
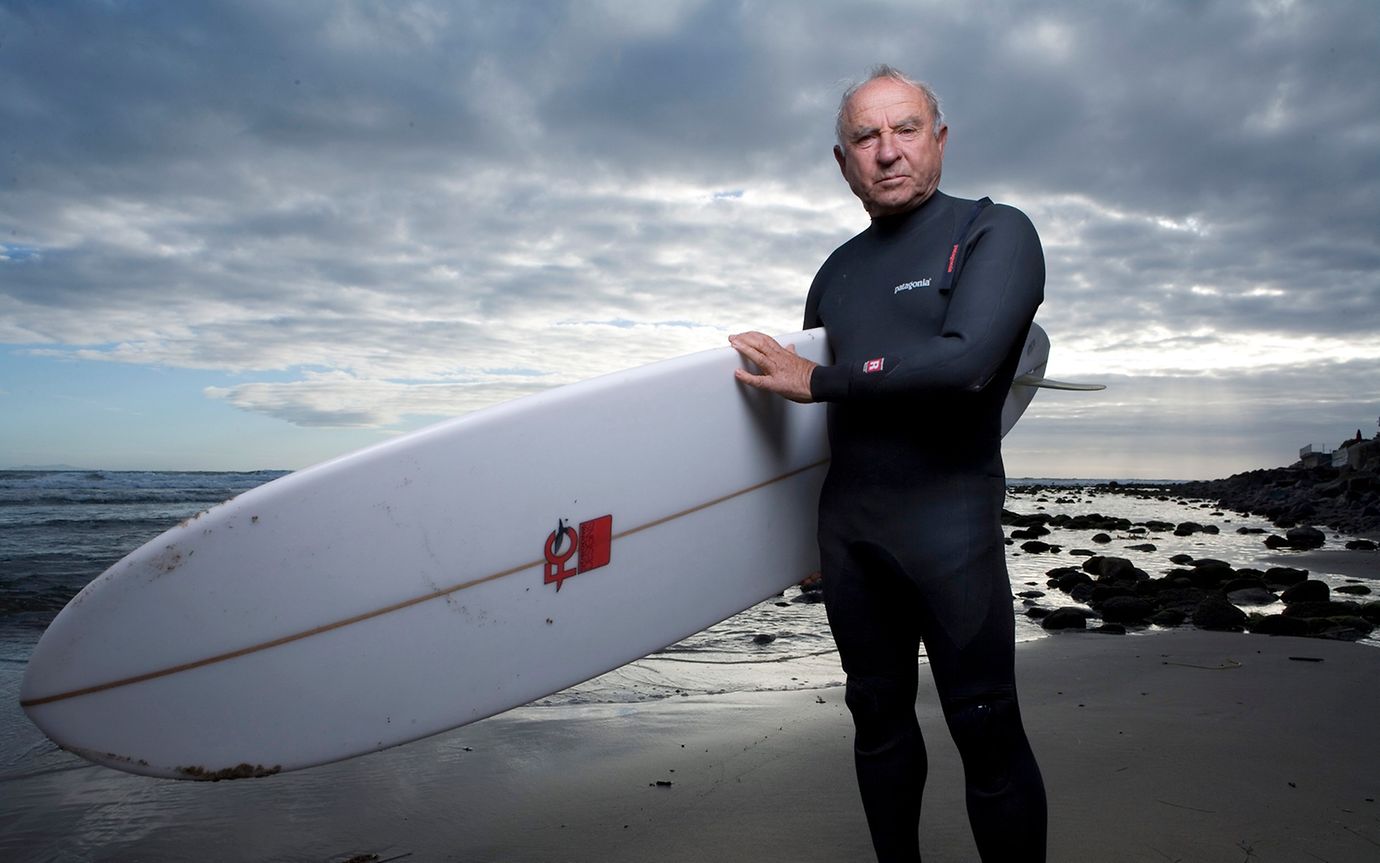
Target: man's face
x,y
890,156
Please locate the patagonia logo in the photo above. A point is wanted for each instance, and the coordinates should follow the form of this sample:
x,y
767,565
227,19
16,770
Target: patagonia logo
x,y
873,365
908,286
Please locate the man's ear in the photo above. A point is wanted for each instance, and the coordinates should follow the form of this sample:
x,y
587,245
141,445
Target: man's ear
x,y
838,157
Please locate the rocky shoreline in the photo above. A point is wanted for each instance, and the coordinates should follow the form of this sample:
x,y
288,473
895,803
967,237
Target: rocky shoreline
x,y
1117,596
1208,593
1346,498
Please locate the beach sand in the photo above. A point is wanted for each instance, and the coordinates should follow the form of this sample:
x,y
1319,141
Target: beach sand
x,y
1185,745
1337,561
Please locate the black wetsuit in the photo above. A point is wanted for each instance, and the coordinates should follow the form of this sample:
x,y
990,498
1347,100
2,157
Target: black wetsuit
x,y
927,313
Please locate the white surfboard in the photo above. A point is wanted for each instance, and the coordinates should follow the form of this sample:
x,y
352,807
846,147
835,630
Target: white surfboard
x,y
443,576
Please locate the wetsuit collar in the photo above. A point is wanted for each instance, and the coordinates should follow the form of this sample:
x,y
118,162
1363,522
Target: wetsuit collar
x,y
886,225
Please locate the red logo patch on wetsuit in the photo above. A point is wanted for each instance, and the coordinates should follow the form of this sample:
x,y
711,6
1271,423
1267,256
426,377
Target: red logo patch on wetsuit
x,y
873,365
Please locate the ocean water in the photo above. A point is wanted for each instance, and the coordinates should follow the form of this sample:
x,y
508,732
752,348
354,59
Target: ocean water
x,y
60,529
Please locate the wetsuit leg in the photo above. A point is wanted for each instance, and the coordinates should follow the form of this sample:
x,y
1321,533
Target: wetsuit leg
x,y
871,612
938,573
969,634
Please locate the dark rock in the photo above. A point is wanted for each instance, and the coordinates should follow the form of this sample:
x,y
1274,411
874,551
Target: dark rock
x,y
1036,546
1081,552
1241,582
1285,576
1101,593
1144,546
1210,575
1183,599
1065,618
1182,559
1277,624
1324,609
763,638
1344,628
1017,520
1151,587
1110,629
1215,613
1126,609
1097,521
1168,617
1360,545
1031,594
1307,591
1275,541
1067,581
1119,569
1033,532
1354,589
1305,537
1082,592
1101,538
1210,563
1251,596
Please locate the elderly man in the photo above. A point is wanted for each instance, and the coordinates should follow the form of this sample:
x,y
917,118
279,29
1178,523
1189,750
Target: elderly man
x,y
926,311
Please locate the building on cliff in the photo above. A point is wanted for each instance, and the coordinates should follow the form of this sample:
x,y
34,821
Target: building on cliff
x,y
1314,455
1357,454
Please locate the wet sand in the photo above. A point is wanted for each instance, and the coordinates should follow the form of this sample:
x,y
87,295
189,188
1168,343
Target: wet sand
x,y
1183,745
1337,561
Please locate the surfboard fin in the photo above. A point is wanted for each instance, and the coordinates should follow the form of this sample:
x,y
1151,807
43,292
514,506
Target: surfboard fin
x,y
1052,384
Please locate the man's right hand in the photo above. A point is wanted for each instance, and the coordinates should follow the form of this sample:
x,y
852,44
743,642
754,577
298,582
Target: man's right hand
x,y
783,371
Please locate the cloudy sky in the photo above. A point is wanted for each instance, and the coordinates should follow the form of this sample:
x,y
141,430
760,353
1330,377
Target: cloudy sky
x,y
241,235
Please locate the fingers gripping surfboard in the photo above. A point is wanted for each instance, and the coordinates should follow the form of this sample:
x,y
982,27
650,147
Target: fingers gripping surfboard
x,y
444,576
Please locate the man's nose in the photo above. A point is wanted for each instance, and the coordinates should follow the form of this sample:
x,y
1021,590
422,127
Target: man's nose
x,y
887,151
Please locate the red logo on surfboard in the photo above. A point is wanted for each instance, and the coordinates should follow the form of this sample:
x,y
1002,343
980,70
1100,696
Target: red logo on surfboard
x,y
591,546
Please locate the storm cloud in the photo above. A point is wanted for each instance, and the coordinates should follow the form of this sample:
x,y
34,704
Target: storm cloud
x,y
376,212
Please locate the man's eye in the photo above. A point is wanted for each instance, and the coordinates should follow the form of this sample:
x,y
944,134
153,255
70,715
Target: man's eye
x,y
907,132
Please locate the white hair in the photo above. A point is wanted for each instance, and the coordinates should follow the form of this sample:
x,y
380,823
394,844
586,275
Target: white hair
x,y
890,73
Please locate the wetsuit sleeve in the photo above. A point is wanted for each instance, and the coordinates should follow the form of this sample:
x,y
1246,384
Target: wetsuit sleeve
x,y
994,300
